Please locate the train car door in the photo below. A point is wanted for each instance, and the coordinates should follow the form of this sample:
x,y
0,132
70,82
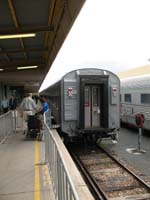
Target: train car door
x,y
92,106
87,107
95,106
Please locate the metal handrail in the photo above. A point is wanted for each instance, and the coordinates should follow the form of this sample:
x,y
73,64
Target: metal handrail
x,y
6,124
67,181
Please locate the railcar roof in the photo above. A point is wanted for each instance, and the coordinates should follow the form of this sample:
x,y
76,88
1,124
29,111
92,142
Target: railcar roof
x,y
105,72
140,82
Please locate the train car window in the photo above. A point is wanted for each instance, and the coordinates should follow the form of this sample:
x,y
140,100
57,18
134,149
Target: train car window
x,y
145,98
86,97
127,98
95,96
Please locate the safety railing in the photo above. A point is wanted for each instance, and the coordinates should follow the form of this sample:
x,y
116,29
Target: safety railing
x,y
18,121
67,181
6,124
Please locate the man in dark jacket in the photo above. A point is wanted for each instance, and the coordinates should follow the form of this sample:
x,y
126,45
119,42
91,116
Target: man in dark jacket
x,y
12,103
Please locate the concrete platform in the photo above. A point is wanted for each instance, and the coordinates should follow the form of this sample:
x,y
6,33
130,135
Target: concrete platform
x,y
23,173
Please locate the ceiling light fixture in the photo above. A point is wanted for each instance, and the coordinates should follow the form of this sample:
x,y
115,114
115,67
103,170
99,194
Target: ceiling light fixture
x,y
27,67
1,70
2,37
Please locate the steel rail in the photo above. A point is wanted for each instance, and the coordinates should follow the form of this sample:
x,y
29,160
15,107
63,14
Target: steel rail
x,y
127,169
96,190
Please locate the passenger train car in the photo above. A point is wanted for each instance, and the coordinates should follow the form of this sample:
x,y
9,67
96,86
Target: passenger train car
x,y
86,102
135,99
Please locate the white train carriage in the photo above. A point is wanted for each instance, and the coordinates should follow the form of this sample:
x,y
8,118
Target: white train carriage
x,y
135,99
86,102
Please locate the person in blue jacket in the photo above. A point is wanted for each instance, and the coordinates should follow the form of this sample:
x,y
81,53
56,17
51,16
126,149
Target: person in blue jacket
x,y
45,106
43,109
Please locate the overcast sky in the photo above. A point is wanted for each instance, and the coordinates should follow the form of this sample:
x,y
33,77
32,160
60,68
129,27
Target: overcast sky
x,y
108,34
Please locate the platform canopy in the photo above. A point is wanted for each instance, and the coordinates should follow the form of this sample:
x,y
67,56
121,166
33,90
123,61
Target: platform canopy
x,y
49,22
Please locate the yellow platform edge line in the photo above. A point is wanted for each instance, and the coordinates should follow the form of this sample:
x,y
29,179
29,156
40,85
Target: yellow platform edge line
x,y
36,176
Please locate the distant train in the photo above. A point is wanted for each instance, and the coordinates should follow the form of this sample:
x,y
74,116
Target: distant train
x,y
135,99
86,103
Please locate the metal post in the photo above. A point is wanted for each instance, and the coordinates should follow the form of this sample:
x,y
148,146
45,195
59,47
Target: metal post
x,y
4,125
138,150
15,119
139,138
139,119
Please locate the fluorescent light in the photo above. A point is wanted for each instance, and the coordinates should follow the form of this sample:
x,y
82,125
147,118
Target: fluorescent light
x,y
27,67
1,70
17,36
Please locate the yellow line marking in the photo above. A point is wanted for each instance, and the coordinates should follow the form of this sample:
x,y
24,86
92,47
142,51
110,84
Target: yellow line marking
x,y
36,177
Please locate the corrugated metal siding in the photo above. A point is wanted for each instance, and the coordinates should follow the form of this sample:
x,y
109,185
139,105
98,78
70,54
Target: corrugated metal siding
x,y
114,109
70,102
132,110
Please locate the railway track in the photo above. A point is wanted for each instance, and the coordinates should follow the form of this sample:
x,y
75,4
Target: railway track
x,y
108,179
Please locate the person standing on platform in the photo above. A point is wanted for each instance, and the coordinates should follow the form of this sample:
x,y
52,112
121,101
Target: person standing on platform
x,y
45,106
28,107
5,105
12,107
12,103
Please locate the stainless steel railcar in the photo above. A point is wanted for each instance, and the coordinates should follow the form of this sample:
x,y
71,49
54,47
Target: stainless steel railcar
x,y
135,98
86,102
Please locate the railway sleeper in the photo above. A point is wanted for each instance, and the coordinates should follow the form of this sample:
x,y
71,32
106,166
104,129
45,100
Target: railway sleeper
x,y
99,162
114,180
133,197
121,188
